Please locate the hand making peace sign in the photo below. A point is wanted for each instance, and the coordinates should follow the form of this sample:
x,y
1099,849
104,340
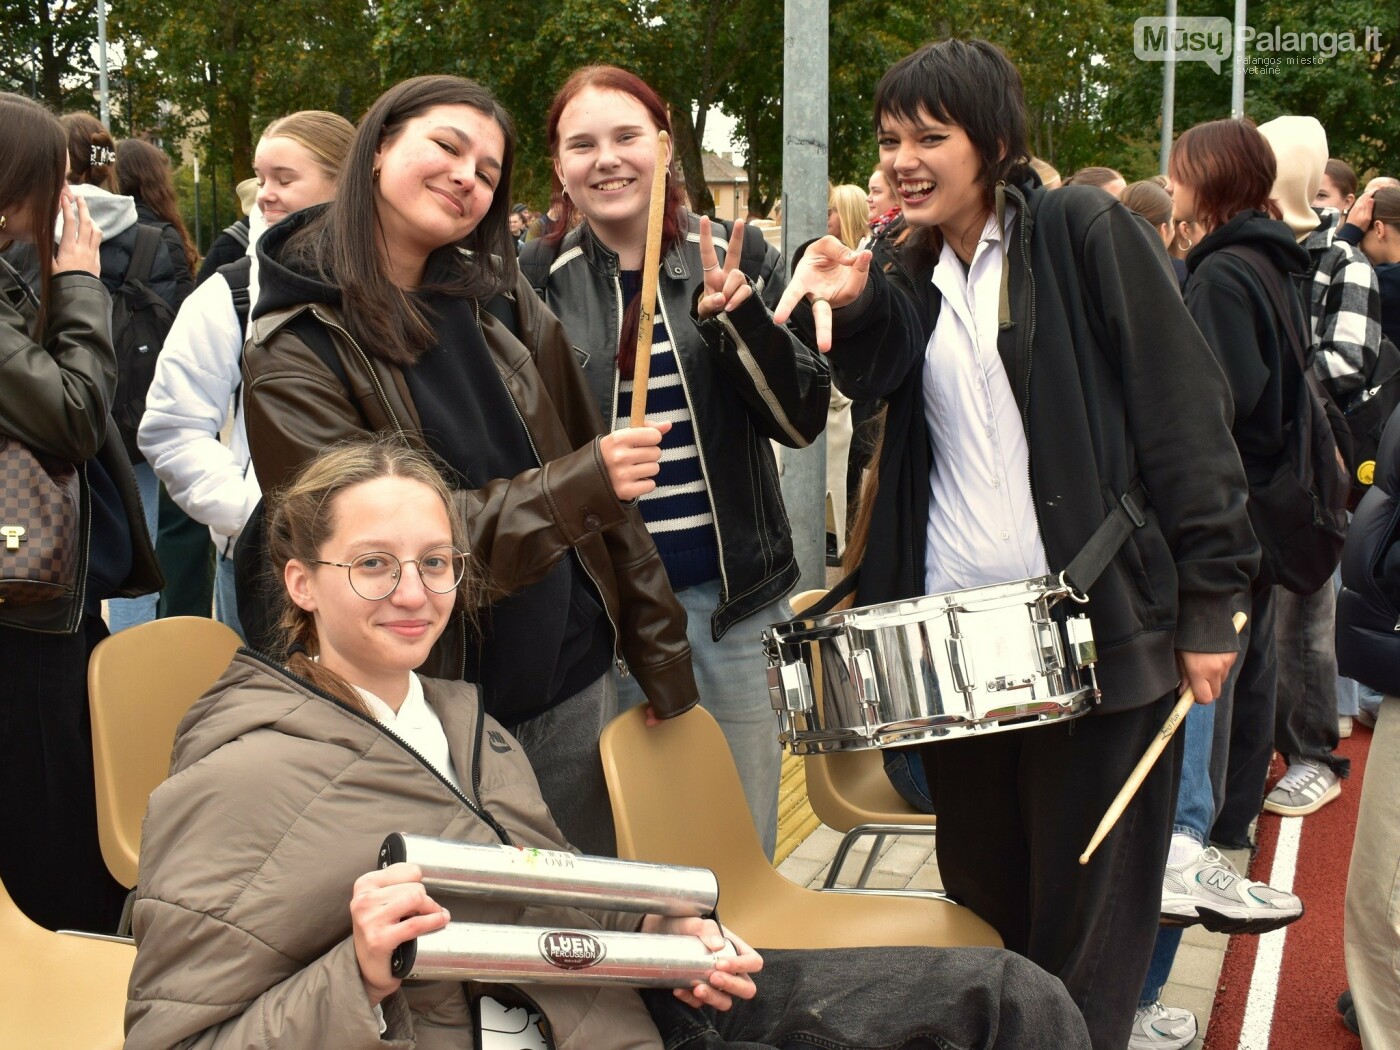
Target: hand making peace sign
x,y
726,285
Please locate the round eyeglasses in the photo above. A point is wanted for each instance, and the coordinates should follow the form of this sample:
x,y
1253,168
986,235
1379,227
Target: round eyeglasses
x,y
376,575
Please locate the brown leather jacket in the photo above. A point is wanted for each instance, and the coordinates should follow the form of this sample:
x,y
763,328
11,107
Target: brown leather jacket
x,y
519,527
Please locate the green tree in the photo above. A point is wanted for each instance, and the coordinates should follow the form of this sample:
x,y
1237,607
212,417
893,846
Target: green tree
x,y
46,48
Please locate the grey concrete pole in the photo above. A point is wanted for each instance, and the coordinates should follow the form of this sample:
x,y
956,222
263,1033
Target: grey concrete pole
x,y
804,217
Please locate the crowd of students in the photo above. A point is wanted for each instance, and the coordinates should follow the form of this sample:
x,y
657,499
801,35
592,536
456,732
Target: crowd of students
x,y
389,375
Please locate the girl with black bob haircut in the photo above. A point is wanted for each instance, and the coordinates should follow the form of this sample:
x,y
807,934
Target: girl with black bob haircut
x,y
398,307
1042,378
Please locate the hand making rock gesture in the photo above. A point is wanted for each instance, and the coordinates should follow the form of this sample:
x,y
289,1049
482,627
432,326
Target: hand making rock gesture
x,y
830,275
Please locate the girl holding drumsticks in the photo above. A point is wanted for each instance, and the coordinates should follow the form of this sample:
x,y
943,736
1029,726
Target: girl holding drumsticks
x,y
1043,377
725,382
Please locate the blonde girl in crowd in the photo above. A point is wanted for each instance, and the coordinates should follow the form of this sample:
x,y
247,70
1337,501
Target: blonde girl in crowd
x,y
297,163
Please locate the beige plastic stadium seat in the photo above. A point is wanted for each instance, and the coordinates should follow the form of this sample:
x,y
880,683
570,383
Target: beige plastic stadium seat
x,y
61,990
140,684
676,799
850,793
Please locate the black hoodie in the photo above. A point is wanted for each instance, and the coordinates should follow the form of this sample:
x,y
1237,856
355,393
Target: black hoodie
x,y
1231,306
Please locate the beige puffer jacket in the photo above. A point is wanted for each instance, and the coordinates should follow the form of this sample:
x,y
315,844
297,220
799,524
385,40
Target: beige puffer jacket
x,y
278,799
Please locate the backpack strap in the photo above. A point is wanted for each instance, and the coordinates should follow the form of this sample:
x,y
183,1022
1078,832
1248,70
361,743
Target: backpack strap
x,y
1272,280
239,232
239,276
754,251
535,264
143,256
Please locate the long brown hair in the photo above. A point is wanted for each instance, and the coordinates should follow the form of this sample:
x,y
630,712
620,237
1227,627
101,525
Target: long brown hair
x,y
302,516
342,243
33,145
143,173
613,78
92,153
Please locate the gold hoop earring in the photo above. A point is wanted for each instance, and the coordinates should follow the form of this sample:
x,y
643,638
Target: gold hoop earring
x,y
2,222
1186,247
374,174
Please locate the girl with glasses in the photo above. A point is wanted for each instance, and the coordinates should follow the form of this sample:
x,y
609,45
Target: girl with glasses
x,y
260,921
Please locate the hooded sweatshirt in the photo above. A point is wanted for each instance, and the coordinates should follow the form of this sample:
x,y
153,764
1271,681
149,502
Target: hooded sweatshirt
x,y
1230,304
540,645
1344,304
115,216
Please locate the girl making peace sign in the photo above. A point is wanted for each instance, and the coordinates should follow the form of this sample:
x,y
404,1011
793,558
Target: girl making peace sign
x,y
725,380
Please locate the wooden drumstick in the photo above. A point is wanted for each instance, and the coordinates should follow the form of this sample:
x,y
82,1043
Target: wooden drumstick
x,y
1139,773
651,263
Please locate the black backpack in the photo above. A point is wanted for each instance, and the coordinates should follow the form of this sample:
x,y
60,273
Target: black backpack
x,y
1367,413
1300,514
141,320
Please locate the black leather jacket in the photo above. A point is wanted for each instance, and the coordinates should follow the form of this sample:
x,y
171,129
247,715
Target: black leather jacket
x,y
55,396
747,381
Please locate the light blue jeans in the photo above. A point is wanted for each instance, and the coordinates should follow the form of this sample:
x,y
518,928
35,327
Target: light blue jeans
x,y
128,612
1195,813
732,676
225,597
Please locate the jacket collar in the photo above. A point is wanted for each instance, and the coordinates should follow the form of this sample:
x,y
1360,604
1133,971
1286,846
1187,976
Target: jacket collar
x,y
675,264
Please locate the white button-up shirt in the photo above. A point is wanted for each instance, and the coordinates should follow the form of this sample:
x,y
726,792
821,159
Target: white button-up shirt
x,y
981,520
418,725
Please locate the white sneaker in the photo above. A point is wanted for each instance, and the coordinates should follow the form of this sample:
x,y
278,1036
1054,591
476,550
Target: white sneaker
x,y
1158,1027
1305,788
1208,891
1344,726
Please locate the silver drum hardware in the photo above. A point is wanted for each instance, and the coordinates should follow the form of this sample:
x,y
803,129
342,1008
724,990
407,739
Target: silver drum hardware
x,y
981,660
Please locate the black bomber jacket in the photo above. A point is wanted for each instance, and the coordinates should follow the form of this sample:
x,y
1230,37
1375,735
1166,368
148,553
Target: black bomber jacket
x,y
747,381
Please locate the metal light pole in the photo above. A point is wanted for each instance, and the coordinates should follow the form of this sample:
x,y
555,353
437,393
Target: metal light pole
x,y
104,105
1237,60
1169,86
804,217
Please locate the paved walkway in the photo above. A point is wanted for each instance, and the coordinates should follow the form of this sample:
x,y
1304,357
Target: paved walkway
x,y
907,862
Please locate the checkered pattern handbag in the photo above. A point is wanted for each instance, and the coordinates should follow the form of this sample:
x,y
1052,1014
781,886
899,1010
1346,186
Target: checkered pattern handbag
x,y
39,525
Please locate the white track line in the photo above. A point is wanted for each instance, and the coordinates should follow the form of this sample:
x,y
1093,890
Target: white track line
x,y
1268,959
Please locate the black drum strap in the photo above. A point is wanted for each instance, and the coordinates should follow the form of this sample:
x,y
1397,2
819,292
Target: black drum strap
x,y
1081,573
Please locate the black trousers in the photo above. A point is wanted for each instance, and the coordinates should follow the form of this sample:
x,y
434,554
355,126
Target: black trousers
x,y
186,557
50,861
1016,809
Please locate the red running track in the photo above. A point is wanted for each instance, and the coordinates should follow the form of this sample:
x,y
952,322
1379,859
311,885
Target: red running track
x,y
1313,971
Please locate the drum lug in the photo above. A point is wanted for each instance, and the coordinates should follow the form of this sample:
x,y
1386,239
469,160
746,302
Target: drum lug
x,y
960,664
863,674
1083,653
790,689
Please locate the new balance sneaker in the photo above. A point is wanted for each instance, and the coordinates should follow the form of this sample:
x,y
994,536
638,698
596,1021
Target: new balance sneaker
x,y
1208,891
1158,1027
1305,788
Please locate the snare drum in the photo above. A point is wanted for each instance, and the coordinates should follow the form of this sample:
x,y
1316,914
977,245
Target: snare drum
x,y
981,660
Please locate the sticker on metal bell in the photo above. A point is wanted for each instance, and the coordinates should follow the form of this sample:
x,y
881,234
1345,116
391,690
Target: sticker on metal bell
x,y
571,950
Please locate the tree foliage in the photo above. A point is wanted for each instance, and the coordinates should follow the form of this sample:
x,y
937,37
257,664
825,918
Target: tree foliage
x,y
217,71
